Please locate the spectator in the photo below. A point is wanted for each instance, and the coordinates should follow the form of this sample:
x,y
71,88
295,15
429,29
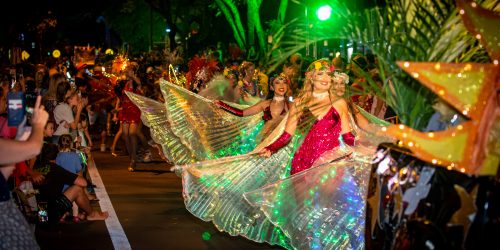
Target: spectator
x,y
15,233
59,203
63,113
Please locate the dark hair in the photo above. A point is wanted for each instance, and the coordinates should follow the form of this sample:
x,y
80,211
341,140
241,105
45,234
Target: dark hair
x,y
50,121
119,87
49,152
62,89
65,142
272,77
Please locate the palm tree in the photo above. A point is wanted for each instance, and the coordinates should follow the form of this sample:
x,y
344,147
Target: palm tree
x,y
254,36
401,30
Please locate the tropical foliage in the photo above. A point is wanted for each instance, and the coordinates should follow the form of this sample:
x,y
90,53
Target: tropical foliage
x,y
401,30
253,36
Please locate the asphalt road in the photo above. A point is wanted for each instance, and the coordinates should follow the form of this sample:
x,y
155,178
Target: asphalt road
x,y
150,209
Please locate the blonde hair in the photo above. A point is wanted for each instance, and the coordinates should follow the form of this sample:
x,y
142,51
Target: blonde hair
x,y
53,82
305,94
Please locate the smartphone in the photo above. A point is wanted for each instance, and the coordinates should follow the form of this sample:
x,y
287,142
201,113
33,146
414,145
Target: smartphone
x,y
16,108
30,100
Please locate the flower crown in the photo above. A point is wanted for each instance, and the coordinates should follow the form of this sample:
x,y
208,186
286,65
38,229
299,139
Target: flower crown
x,y
228,71
319,65
341,76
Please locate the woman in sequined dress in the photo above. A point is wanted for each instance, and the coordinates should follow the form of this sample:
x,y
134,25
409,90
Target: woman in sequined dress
x,y
274,108
130,117
213,190
330,119
321,205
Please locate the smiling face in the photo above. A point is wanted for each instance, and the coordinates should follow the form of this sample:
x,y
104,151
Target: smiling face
x,y
322,81
280,86
339,87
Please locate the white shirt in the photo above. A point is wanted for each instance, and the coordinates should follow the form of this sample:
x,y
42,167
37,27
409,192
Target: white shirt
x,y
63,115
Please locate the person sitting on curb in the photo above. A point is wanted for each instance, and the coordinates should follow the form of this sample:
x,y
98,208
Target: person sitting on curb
x,y
61,202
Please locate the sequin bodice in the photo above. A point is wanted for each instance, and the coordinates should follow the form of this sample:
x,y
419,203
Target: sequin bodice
x,y
322,136
267,113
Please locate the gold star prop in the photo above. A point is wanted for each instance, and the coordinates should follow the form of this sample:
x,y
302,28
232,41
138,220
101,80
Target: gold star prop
x,y
374,203
483,24
398,203
472,89
464,215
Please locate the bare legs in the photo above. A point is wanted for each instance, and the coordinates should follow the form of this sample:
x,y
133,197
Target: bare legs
x,y
130,136
77,194
115,140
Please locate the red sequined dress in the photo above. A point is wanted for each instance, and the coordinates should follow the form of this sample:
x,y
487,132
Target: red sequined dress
x,y
129,113
322,136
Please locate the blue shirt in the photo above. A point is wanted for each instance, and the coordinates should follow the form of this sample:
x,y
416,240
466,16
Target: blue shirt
x,y
70,161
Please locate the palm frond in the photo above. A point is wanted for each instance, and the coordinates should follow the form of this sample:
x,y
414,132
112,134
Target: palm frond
x,y
402,30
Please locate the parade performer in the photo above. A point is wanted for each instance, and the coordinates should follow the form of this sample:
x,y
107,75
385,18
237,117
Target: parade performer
x,y
213,190
130,117
322,207
250,89
192,128
274,108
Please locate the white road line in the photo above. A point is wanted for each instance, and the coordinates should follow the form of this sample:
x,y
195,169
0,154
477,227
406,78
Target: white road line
x,y
115,229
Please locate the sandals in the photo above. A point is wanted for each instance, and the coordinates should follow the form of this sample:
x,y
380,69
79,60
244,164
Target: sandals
x,y
132,166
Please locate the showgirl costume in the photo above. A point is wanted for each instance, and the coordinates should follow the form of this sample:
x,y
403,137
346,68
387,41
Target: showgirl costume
x,y
129,113
213,190
190,128
323,207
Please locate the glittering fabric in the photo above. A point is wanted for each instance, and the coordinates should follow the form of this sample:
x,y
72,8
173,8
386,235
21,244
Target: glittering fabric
x,y
323,136
323,207
319,208
230,109
348,138
129,113
190,128
280,142
213,189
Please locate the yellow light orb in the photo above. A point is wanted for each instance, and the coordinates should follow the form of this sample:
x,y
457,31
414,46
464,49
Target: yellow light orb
x,y
56,53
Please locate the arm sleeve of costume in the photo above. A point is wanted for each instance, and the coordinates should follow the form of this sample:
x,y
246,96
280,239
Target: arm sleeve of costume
x,y
230,109
348,138
282,141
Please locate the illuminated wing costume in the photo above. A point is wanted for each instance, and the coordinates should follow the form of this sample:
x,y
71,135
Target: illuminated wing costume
x,y
219,88
190,128
213,190
323,207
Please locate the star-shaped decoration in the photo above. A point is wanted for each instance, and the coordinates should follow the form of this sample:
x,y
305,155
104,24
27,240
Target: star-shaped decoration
x,y
414,195
484,25
472,89
398,203
465,215
374,203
